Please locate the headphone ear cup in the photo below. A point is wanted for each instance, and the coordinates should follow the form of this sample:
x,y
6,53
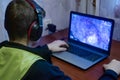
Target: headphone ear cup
x,y
34,32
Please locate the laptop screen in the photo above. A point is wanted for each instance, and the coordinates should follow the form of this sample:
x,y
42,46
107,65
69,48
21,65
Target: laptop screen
x,y
92,30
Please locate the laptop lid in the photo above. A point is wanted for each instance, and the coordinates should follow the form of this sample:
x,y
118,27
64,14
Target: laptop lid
x,y
91,32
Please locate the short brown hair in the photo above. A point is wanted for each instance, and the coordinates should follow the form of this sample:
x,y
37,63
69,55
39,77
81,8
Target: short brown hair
x,y
18,17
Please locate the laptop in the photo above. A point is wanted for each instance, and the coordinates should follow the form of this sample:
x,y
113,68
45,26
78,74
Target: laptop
x,y
89,40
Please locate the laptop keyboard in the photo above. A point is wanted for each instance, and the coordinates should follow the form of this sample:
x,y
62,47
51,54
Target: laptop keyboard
x,y
83,53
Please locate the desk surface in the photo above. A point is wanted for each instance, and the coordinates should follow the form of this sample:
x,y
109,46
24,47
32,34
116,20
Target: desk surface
x,y
75,73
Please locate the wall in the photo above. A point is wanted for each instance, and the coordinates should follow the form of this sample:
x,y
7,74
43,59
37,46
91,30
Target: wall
x,y
57,11
3,32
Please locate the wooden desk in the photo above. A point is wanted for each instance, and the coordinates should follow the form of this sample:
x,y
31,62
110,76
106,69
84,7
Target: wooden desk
x,y
75,73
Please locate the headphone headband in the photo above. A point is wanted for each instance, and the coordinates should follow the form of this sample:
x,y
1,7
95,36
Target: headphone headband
x,y
35,29
38,10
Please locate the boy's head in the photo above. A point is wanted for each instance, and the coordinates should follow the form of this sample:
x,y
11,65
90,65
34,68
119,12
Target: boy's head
x,y
24,20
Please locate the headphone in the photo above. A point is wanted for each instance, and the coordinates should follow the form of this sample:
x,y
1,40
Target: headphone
x,y
36,27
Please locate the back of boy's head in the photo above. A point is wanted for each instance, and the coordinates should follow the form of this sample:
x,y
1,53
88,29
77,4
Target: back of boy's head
x,y
18,17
